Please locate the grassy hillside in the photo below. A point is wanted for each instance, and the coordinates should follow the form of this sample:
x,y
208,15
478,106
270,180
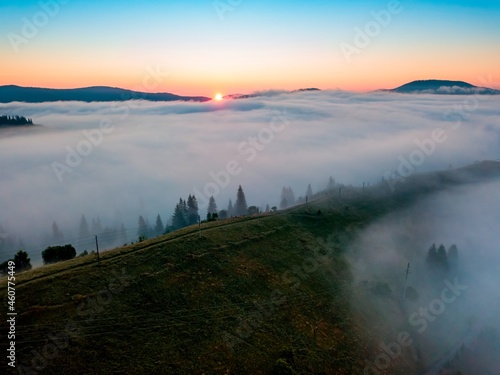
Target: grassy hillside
x,y
257,295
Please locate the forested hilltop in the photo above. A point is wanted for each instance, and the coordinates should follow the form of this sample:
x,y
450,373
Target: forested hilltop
x,y
15,121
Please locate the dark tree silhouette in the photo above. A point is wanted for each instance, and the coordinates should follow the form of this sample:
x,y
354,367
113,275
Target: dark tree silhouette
x,y
431,255
53,254
223,214
442,259
84,228
437,258
287,197
252,210
143,231
241,207
230,208
212,206
309,192
331,184
283,203
96,226
192,210
159,228
22,260
179,219
57,235
15,120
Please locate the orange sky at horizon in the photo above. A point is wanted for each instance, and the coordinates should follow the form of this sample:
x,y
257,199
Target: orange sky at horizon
x,y
181,76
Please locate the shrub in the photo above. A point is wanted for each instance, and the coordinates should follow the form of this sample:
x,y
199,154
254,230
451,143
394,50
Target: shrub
x,y
54,254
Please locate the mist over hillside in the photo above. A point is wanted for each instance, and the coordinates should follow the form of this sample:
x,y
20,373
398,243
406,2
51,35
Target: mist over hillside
x,y
118,161
438,323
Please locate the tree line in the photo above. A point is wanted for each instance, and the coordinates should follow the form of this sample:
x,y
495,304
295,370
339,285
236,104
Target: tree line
x,y
15,120
186,213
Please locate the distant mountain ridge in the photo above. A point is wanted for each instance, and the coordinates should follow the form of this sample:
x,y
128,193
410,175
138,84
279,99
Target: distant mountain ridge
x,y
442,87
13,93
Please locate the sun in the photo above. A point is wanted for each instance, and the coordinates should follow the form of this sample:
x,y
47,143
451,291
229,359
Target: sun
x,y
218,97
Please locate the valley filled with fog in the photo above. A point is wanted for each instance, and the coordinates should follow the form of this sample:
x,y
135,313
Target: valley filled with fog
x,y
114,162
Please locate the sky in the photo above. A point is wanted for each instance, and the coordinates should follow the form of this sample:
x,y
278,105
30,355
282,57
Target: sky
x,y
202,47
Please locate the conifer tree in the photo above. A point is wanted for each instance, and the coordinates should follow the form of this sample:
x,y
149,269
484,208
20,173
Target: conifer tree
x,y
309,192
192,210
159,228
331,184
241,207
57,235
179,216
84,228
143,230
212,206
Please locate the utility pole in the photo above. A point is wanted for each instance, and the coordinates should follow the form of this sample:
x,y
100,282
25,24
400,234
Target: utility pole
x,y
97,247
406,280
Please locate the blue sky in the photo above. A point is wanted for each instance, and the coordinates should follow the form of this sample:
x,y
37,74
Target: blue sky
x,y
255,45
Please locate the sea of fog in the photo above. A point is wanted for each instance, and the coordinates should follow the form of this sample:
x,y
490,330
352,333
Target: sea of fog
x,y
116,161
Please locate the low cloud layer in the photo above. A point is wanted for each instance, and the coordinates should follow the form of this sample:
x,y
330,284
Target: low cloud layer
x,y
468,217
150,154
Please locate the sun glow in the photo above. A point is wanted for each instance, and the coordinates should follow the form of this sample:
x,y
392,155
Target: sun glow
x,y
218,97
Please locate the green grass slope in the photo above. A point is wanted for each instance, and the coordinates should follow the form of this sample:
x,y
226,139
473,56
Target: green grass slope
x,y
256,295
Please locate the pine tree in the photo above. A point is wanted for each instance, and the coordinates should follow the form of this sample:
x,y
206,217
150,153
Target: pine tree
x,y
143,230
309,192
442,259
241,207
287,197
84,228
96,226
22,260
431,259
230,208
283,203
331,184
212,206
57,235
267,208
159,228
192,210
179,216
